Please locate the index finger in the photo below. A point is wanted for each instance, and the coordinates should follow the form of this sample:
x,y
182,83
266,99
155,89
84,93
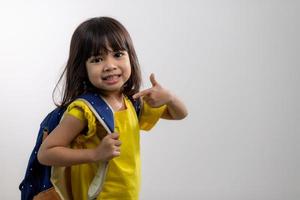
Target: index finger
x,y
142,93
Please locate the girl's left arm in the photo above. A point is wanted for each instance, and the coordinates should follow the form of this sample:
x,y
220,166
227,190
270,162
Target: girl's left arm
x,y
175,109
157,96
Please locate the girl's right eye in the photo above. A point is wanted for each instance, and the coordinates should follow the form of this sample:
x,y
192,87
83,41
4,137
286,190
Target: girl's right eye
x,y
96,60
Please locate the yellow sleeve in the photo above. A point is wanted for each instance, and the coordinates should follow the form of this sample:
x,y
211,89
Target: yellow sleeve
x,y
149,116
77,113
81,111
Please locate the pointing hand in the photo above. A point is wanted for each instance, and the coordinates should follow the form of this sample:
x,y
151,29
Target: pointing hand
x,y
155,96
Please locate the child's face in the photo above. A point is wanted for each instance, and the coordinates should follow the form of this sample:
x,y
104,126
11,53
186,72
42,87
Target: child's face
x,y
109,72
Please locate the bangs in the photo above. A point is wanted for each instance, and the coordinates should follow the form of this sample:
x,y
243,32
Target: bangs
x,y
104,38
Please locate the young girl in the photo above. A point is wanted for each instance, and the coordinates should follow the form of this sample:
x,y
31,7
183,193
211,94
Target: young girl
x,y
102,60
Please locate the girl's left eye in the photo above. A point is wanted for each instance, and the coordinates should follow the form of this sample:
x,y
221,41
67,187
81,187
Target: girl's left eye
x,y
96,60
118,54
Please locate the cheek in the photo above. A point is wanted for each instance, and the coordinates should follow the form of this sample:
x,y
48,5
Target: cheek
x,y
128,69
90,74
127,73
93,74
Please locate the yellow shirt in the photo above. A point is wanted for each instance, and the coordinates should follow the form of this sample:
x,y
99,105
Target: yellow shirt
x,y
122,181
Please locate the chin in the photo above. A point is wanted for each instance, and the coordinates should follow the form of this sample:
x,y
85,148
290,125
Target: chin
x,y
113,89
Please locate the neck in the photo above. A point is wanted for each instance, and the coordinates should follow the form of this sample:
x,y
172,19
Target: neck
x,y
115,100
112,96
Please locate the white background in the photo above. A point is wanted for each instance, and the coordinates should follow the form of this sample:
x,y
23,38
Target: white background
x,y
234,63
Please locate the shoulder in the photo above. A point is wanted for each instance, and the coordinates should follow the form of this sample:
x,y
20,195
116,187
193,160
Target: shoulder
x,y
80,110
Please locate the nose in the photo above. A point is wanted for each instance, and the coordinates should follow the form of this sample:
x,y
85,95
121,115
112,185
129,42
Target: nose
x,y
109,63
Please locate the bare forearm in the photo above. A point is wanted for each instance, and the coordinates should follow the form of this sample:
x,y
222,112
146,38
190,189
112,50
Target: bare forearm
x,y
176,109
64,156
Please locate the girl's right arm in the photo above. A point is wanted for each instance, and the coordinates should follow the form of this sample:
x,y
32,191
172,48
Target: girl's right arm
x,y
55,148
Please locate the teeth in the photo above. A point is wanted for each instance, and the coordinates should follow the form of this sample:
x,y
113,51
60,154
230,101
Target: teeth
x,y
111,77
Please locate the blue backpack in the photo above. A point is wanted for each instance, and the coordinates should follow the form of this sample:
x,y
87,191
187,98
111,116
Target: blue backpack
x,y
37,176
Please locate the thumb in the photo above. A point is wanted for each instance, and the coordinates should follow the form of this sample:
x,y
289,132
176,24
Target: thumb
x,y
153,80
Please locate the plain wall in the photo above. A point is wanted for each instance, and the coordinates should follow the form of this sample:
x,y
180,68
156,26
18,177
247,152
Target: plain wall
x,y
234,63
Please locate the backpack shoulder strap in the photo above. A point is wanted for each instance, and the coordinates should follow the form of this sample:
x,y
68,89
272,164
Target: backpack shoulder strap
x,y
100,109
137,104
104,115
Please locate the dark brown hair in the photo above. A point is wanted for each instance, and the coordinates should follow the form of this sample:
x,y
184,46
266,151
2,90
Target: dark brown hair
x,y
91,38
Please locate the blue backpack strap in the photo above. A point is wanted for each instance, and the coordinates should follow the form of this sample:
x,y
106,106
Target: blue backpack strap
x,y
137,104
101,110
104,115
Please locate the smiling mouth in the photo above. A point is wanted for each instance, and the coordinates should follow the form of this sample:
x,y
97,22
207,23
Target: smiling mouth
x,y
111,77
